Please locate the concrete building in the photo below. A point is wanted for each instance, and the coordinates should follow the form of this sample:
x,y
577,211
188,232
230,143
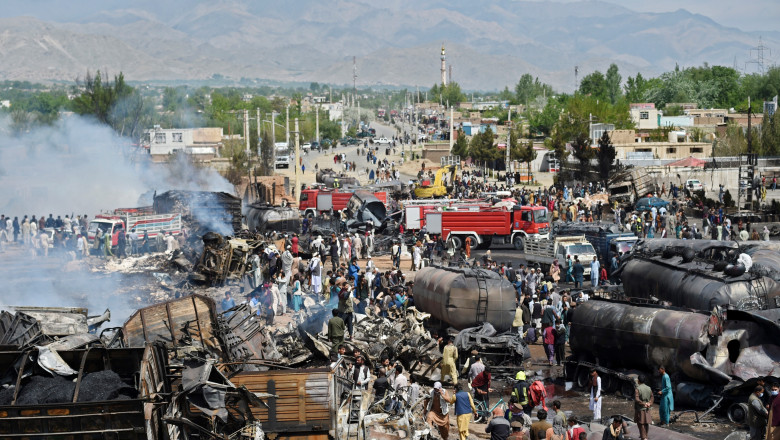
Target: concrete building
x,y
334,109
204,143
645,116
597,130
676,121
628,146
770,107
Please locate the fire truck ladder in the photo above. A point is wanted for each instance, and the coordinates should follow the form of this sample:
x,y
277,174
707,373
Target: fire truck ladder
x,y
482,302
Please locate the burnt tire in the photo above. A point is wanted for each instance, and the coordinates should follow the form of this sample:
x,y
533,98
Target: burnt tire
x,y
627,389
583,378
610,383
737,412
457,241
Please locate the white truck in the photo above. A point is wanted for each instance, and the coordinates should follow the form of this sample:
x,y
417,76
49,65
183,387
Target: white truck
x,y
152,225
544,251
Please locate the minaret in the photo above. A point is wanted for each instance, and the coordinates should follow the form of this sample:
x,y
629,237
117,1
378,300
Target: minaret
x,y
443,67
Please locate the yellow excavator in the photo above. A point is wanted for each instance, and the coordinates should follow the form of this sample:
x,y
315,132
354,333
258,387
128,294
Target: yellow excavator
x,y
441,184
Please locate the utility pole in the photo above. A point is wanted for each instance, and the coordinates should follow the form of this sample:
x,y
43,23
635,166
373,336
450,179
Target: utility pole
x,y
318,123
576,78
343,110
287,126
297,191
508,139
452,128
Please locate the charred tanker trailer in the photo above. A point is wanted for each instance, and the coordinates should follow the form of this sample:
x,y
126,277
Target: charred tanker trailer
x,y
264,218
698,274
708,355
465,298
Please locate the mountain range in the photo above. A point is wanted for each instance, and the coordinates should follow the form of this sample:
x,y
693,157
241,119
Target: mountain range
x,y
396,42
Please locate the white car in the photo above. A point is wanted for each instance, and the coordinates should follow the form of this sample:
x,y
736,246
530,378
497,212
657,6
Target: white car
x,y
694,185
382,140
306,146
282,162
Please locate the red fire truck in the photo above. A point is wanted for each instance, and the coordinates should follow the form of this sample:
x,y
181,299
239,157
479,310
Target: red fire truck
x,y
415,210
315,201
491,225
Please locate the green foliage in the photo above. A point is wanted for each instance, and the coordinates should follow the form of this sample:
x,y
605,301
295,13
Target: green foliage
x,y
461,145
606,156
595,85
482,147
529,88
770,135
582,151
636,88
544,121
114,103
613,80
733,143
450,94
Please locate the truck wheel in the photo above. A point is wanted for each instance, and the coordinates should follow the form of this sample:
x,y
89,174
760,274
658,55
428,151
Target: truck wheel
x,y
474,244
627,389
485,244
737,412
519,243
775,230
457,242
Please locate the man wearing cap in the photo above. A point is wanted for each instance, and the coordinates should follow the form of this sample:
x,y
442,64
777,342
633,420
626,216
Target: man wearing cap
x,y
287,261
357,245
346,307
518,431
439,410
315,268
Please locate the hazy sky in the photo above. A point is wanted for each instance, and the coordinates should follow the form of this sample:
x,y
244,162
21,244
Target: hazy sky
x,y
752,15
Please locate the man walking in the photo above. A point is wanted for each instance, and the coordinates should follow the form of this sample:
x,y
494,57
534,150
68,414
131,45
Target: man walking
x,y
448,357
595,269
464,408
336,329
595,395
643,401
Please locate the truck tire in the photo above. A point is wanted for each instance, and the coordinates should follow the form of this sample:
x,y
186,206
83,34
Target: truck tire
x,y
737,412
474,244
457,241
519,243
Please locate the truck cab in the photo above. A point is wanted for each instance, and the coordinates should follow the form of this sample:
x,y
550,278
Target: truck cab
x,y
533,220
107,224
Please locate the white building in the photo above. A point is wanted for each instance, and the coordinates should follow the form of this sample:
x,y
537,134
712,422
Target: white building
x,y
334,109
645,118
162,142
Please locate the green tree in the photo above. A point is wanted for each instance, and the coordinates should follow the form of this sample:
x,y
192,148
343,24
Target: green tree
x,y
613,80
770,135
482,147
544,121
635,88
606,156
529,88
114,103
595,85
529,154
583,152
461,145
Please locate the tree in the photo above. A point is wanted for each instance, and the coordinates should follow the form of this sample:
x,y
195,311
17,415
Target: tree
x,y
115,104
529,88
605,156
613,80
770,135
583,153
635,88
595,85
461,146
482,147
529,154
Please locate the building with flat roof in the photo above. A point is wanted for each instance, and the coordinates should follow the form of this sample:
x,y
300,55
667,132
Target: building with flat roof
x,y
204,143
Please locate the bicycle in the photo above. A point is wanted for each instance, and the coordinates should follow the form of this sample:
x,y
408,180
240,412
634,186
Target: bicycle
x,y
483,413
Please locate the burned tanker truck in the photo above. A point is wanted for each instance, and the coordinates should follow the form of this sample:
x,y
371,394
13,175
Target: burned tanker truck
x,y
706,310
480,304
701,274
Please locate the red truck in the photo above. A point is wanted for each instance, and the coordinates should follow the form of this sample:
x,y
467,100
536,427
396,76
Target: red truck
x,y
491,225
315,201
415,212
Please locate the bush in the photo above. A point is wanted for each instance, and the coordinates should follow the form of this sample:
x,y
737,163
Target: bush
x,y
728,200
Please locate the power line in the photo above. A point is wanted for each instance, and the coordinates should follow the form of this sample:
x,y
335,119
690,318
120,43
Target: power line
x,y
759,59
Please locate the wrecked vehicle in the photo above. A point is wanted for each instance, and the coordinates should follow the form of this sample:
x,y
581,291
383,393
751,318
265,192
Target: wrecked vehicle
x,y
721,352
333,179
464,298
224,259
202,210
364,207
626,187
700,274
503,351
262,218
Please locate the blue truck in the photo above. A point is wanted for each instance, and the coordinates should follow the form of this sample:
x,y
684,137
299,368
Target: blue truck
x,y
606,238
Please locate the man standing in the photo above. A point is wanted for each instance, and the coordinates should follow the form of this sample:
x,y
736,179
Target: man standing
x,y
595,269
643,401
773,432
336,328
346,306
667,400
334,252
315,268
539,428
467,247
498,427
615,429
757,414
578,272
464,408
448,357
595,395
360,374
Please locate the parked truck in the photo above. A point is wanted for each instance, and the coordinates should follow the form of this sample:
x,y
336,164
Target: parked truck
x,y
490,226
415,210
545,251
315,201
606,238
130,222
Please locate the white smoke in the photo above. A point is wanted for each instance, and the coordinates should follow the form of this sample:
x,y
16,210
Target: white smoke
x,y
80,167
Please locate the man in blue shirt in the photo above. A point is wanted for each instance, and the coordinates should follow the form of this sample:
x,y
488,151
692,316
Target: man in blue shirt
x,y
464,408
227,304
594,272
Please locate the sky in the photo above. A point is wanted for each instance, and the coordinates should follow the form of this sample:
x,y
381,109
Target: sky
x,y
753,15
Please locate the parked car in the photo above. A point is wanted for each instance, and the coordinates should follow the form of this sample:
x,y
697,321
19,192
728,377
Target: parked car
x,y
382,141
647,203
306,146
693,185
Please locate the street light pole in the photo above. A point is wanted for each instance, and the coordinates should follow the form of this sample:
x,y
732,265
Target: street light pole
x,y
297,191
318,124
287,126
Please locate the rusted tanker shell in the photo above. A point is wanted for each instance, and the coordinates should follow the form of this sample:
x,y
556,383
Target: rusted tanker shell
x,y
620,335
452,296
265,218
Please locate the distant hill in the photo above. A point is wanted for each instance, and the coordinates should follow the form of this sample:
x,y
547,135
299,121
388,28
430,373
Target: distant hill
x,y
396,42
